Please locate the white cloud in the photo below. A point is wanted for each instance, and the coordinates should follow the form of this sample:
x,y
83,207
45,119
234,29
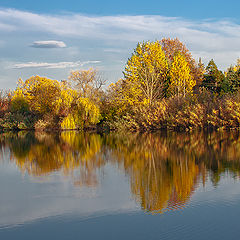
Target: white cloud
x,y
48,44
98,36
52,65
129,28
205,34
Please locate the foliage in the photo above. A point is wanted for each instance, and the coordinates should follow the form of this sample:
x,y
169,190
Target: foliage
x,y
84,114
18,121
171,47
69,122
5,99
181,82
233,79
162,88
44,95
19,103
213,78
41,103
88,111
145,74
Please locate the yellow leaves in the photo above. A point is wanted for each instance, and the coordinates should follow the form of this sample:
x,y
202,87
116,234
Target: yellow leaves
x,y
182,82
19,103
145,73
189,117
230,114
89,112
68,122
237,66
84,114
53,100
42,94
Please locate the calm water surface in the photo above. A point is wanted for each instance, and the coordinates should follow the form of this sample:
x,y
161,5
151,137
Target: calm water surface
x,y
119,186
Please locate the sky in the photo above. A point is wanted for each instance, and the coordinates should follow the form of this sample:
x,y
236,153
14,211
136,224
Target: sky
x,y
51,38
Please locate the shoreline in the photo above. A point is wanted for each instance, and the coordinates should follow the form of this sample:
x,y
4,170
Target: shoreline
x,y
141,131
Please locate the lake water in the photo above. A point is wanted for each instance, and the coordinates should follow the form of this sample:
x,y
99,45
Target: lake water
x,y
73,185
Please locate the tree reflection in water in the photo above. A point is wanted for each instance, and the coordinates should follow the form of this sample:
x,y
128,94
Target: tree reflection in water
x,y
164,168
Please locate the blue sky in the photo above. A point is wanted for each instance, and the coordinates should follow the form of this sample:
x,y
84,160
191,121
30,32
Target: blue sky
x,y
186,8
51,38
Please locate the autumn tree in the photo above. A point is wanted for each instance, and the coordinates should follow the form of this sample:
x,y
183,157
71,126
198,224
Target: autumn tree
x,y
145,73
237,67
181,81
113,103
54,103
45,100
88,83
5,98
173,46
43,95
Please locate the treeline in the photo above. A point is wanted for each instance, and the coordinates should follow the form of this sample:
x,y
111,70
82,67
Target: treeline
x,y
45,104
163,87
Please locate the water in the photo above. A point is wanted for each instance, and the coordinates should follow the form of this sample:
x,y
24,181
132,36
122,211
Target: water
x,y
119,186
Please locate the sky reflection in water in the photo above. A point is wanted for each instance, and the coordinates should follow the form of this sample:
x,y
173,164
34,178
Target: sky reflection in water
x,y
86,181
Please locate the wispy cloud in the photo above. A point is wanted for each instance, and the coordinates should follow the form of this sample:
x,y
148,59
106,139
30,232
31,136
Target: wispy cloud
x,y
107,38
48,44
113,50
105,26
52,65
217,35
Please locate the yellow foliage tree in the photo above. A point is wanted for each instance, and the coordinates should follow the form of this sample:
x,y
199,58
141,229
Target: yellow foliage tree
x,y
55,102
44,95
145,74
181,82
89,112
173,46
18,102
84,114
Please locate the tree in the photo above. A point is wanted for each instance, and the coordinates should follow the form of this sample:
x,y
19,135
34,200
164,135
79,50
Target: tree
x,y
201,70
44,95
55,104
233,76
237,66
213,78
83,114
181,81
88,83
145,73
5,98
233,79
173,46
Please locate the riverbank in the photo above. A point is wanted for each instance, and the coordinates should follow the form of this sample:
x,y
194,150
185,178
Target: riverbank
x,y
162,88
